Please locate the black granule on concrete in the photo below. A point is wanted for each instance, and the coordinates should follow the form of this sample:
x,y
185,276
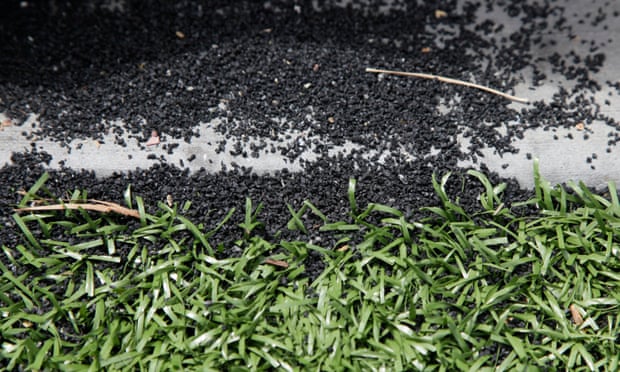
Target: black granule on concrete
x,y
272,68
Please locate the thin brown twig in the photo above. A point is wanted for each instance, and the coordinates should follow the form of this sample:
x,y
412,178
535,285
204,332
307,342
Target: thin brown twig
x,y
278,263
94,205
449,81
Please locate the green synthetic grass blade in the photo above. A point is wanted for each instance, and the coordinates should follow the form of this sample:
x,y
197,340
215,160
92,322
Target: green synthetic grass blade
x,y
339,226
28,256
196,233
41,355
26,231
127,195
141,210
295,223
380,208
351,195
489,198
315,210
32,192
250,221
542,189
613,193
226,218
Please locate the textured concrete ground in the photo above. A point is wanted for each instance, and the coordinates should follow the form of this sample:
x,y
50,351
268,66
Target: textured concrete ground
x,y
577,148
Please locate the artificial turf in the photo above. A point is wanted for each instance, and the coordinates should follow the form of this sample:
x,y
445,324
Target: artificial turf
x,y
514,285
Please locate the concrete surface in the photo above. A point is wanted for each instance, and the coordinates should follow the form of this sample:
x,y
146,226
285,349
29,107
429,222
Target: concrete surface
x,y
560,159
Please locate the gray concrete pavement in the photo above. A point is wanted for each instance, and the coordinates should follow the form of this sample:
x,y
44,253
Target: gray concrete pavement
x,y
561,159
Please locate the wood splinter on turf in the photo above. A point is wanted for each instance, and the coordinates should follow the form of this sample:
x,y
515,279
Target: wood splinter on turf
x,y
449,81
577,318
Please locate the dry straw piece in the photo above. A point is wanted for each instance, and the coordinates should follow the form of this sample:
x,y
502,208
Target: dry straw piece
x,y
449,81
278,263
92,205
